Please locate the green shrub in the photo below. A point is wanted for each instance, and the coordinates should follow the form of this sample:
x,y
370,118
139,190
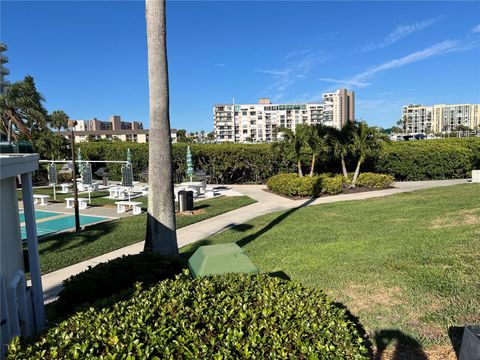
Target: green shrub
x,y
429,159
233,316
231,163
109,278
332,185
293,185
374,181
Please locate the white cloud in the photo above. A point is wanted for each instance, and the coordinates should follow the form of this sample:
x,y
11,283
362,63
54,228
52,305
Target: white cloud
x,y
297,65
400,32
444,47
476,29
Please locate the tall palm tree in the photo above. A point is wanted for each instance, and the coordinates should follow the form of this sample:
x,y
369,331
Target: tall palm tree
x,y
340,140
292,144
366,141
161,234
316,140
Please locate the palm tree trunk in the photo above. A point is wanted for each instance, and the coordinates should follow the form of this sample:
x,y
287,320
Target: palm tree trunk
x,y
161,234
357,171
299,166
9,135
344,167
312,166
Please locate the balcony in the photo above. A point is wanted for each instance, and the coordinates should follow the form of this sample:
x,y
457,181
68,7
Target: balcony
x,y
3,59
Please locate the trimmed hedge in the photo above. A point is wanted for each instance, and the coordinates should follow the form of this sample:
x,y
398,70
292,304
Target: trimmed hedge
x,y
254,163
430,159
332,185
233,316
374,181
113,277
293,185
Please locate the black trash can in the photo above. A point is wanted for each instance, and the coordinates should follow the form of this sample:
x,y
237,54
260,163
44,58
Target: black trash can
x,y
189,200
185,200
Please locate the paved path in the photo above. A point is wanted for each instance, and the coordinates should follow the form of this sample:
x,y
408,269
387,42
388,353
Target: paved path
x,y
266,203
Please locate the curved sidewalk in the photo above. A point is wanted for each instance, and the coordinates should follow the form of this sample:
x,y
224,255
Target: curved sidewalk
x,y
266,203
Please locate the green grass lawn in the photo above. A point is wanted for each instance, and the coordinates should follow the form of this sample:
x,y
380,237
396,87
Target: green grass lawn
x,y
407,265
65,249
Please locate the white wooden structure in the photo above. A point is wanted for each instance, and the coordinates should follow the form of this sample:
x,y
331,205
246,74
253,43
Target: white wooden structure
x,y
21,307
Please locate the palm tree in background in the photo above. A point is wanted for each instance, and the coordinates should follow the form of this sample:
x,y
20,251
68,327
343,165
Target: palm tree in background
x,y
58,120
161,234
340,140
366,141
292,144
315,138
22,110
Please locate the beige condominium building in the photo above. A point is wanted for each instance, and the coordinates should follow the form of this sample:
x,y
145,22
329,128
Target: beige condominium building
x,y
115,128
260,122
439,118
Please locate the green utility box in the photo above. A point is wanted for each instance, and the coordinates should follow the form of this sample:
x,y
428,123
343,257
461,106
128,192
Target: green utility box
x,y
220,259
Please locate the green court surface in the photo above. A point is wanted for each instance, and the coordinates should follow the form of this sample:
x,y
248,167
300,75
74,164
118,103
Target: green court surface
x,y
65,222
39,214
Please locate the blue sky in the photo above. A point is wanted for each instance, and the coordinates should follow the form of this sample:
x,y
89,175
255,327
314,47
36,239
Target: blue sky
x,y
89,58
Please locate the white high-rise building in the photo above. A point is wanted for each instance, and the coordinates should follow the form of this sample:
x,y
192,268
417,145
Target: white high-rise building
x,y
260,122
439,118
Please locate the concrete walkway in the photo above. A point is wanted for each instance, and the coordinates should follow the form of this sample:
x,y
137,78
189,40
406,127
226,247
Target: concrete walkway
x,y
266,203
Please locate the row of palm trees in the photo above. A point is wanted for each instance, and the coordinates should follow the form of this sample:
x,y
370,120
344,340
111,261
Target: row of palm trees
x,y
355,140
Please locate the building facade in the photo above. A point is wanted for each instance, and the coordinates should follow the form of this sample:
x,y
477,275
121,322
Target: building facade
x,y
260,122
114,129
439,118
3,70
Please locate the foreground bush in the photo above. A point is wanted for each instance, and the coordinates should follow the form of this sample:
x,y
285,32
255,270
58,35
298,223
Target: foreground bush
x,y
332,185
107,279
293,185
222,317
374,181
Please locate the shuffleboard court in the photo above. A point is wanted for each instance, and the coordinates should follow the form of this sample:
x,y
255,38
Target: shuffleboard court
x,y
59,222
40,214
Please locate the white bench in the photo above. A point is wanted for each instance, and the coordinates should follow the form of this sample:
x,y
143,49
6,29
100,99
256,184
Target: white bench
x,y
117,192
82,203
135,205
41,199
211,192
65,187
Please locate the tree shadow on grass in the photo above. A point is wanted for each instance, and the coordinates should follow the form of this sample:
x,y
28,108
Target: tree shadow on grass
x,y
244,228
63,241
406,347
455,333
248,239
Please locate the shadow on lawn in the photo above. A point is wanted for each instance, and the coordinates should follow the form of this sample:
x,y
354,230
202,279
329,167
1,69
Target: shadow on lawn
x,y
92,233
406,347
244,228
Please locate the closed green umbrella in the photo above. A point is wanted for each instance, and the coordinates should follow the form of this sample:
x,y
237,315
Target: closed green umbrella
x,y
189,164
79,160
129,157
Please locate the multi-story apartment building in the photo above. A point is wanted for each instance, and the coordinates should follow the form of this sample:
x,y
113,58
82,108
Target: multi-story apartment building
x,y
114,129
260,122
3,70
439,118
114,124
